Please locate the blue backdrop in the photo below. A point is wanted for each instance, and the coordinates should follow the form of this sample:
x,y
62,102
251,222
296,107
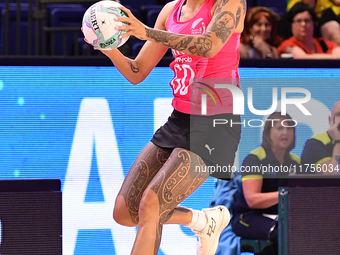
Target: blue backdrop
x,y
86,125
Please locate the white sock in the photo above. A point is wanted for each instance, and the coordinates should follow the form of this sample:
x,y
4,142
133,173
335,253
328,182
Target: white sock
x,y
198,221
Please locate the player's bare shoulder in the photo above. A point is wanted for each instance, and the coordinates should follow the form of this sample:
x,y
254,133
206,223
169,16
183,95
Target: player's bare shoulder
x,y
235,8
222,3
165,13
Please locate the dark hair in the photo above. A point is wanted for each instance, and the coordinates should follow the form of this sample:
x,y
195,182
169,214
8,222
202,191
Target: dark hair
x,y
253,16
287,20
298,8
266,141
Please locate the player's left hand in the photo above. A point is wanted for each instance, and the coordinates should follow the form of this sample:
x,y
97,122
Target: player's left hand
x,y
133,25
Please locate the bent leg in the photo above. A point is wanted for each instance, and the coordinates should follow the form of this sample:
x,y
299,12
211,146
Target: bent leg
x,y
173,183
143,170
145,167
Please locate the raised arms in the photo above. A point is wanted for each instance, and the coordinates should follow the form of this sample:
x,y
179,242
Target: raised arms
x,y
227,18
136,70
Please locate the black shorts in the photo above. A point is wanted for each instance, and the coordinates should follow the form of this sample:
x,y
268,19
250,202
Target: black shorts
x,y
216,145
328,15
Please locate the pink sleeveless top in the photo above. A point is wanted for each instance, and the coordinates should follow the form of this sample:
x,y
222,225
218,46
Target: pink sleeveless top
x,y
186,67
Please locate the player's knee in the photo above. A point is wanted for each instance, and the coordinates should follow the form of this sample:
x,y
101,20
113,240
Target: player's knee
x,y
121,214
149,206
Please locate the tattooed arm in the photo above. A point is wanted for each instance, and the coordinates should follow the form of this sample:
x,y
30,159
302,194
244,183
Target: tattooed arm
x,y
228,17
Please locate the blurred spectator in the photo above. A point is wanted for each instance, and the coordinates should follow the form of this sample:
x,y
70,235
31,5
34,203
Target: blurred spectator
x,y
322,150
304,44
259,38
328,12
255,205
291,3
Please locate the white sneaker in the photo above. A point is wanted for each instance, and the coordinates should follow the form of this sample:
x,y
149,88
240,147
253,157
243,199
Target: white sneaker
x,y
218,218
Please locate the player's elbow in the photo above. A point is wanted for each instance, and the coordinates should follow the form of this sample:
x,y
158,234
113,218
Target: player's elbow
x,y
135,82
136,79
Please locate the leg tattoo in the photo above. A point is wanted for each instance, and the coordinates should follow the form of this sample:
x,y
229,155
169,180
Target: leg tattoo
x,y
174,182
146,166
158,238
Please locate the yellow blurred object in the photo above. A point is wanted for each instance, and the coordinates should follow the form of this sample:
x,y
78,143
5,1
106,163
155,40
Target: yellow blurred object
x,y
320,6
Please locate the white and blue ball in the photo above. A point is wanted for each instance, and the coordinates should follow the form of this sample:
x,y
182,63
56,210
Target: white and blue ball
x,y
99,26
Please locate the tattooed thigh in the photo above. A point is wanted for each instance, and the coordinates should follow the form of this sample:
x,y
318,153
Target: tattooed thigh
x,y
143,170
176,181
